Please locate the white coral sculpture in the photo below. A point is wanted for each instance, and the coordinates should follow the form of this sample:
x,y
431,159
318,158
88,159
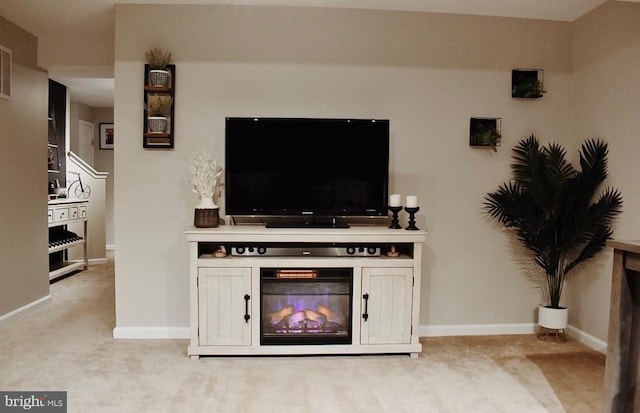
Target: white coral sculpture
x,y
206,179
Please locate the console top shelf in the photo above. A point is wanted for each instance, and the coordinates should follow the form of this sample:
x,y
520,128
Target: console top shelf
x,y
258,233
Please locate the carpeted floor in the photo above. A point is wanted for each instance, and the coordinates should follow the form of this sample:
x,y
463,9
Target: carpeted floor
x,y
66,344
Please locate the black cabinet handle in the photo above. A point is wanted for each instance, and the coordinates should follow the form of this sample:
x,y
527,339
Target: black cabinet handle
x,y
366,306
247,317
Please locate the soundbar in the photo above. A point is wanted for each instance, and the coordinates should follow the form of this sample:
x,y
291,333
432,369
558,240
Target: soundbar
x,y
348,251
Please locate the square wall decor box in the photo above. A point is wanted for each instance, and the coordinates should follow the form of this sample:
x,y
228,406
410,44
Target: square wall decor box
x,y
527,83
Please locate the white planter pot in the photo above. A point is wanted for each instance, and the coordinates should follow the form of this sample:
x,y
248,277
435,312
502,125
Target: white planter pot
x,y
157,124
553,318
158,77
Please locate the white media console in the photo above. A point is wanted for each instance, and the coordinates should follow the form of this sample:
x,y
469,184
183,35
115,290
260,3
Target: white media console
x,y
226,271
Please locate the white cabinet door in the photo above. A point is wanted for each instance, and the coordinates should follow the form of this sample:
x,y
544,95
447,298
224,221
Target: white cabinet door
x,y
224,306
386,305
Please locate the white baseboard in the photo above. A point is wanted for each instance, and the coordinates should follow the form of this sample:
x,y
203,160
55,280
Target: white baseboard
x,y
93,261
424,331
152,332
476,329
26,307
588,340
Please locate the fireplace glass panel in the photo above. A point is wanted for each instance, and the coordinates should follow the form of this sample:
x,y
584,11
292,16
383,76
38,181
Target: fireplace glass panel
x,y
308,306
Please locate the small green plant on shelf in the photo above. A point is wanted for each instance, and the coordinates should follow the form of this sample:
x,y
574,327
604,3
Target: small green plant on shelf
x,y
158,58
485,132
528,90
527,83
159,105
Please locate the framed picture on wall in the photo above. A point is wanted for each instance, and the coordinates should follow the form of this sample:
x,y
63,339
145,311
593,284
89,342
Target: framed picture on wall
x,y
106,136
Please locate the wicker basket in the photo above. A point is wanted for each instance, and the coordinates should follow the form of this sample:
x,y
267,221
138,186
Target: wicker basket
x,y
158,78
206,218
157,124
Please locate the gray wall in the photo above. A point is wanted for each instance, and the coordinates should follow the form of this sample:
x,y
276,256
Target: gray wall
x,y
427,73
606,62
24,263
103,159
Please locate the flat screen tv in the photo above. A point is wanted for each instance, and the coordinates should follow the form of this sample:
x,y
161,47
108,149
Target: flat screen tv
x,y
306,171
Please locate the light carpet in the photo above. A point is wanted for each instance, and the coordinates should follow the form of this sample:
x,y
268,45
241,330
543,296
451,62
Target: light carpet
x,y
66,344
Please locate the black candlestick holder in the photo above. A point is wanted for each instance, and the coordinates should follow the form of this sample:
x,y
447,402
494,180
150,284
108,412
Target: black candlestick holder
x,y
394,221
412,217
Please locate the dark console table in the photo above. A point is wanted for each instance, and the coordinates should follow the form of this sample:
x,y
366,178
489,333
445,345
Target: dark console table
x,y
622,378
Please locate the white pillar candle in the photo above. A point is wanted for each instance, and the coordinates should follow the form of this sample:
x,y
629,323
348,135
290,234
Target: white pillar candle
x,y
412,201
394,200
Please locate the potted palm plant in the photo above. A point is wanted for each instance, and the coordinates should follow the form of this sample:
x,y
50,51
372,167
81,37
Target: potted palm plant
x,y
556,212
158,60
158,111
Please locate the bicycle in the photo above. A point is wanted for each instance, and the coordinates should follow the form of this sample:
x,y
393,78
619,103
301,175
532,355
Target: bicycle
x,y
78,188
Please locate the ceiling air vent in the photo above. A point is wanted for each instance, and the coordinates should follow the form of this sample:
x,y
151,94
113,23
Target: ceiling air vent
x,y
5,72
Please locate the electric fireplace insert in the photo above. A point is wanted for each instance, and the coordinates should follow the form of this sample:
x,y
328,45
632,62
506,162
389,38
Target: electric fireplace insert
x,y
306,306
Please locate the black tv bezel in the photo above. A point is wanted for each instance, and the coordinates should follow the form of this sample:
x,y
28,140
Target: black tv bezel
x,y
310,216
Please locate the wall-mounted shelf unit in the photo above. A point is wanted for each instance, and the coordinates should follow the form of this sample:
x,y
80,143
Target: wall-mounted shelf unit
x,y
56,160
52,163
5,72
158,127
527,83
485,132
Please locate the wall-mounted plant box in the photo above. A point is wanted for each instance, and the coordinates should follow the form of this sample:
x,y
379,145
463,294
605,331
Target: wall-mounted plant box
x,y
485,132
527,83
158,127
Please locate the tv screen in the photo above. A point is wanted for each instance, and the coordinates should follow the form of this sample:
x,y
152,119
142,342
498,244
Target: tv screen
x,y
306,169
